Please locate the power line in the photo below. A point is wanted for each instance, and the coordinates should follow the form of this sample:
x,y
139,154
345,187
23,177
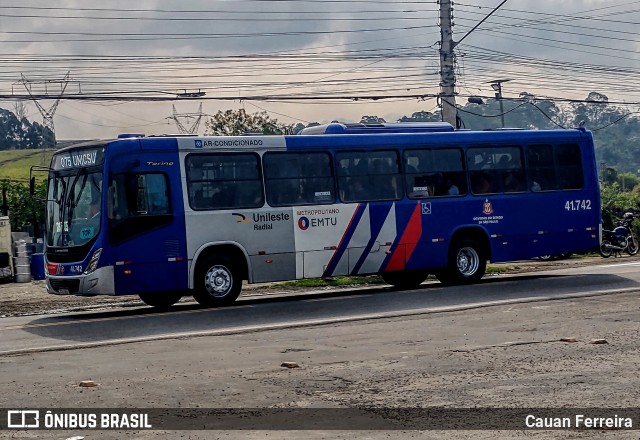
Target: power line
x,y
479,23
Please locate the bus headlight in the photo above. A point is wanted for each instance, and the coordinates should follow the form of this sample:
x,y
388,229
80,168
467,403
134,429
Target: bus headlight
x,y
93,264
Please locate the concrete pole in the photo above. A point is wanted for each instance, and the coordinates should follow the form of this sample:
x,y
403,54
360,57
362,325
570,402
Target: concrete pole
x,y
447,64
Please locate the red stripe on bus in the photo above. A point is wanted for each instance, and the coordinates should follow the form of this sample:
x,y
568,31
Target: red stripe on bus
x,y
408,241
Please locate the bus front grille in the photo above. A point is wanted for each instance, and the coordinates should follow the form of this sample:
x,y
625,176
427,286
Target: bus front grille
x,y
72,286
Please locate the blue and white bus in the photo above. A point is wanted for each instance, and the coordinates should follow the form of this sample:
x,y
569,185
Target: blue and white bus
x,y
167,216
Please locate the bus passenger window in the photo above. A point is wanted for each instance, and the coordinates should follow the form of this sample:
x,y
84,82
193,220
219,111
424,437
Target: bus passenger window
x,y
541,168
293,179
569,166
225,181
434,172
367,176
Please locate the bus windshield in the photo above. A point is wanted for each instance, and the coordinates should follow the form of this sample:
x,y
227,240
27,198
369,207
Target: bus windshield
x,y
73,208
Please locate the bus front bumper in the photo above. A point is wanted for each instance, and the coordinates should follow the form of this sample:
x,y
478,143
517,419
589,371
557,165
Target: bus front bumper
x,y
98,282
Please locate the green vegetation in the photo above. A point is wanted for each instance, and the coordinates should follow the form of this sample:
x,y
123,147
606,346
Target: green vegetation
x,y
25,210
15,164
22,134
497,270
333,282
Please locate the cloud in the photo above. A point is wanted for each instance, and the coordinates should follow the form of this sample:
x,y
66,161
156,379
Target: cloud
x,y
307,48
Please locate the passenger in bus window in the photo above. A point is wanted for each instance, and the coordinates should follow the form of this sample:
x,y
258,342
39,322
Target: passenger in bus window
x,y
94,208
512,183
535,182
222,195
254,195
302,193
357,190
452,189
198,201
481,184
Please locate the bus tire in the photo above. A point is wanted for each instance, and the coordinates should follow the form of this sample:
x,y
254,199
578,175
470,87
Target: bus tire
x,y
160,300
405,279
218,282
467,263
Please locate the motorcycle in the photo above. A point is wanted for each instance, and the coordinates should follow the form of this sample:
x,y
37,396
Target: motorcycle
x,y
619,240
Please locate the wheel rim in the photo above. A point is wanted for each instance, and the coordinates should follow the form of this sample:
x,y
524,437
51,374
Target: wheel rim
x,y
468,261
218,281
605,250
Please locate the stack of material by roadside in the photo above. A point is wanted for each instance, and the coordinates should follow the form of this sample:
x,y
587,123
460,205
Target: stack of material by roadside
x,y
22,262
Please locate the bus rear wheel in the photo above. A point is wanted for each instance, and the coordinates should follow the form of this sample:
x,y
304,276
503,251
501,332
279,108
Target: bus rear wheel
x,y
405,279
467,263
160,300
218,282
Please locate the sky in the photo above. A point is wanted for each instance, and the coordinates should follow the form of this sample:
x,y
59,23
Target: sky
x,y
300,60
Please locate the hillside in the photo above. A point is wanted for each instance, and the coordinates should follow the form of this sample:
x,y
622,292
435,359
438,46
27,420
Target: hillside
x,y
15,164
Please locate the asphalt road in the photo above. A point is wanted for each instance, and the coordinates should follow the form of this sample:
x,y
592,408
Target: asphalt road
x,y
75,330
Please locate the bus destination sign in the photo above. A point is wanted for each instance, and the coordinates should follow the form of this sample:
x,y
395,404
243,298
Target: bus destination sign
x,y
78,159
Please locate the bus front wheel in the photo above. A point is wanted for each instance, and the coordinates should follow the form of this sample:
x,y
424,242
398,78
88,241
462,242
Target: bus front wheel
x,y
467,263
160,300
218,282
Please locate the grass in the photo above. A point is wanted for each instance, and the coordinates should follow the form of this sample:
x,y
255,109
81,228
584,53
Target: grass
x,y
497,270
335,281
15,164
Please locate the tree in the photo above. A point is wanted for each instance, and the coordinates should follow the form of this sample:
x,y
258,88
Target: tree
x,y
20,110
19,133
236,122
371,120
26,211
422,116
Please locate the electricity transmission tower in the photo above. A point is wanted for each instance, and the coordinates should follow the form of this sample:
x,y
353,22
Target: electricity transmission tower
x,y
193,128
49,133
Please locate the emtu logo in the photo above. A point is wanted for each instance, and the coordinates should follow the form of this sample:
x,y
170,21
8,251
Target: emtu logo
x,y
303,223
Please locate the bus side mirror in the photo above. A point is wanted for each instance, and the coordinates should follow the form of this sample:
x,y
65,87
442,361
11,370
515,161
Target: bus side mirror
x,y
32,186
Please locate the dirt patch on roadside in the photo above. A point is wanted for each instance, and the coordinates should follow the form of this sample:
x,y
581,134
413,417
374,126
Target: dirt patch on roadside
x,y
17,299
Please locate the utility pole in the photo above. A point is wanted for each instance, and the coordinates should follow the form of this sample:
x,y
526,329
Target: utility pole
x,y
496,85
47,115
193,129
447,64
448,60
